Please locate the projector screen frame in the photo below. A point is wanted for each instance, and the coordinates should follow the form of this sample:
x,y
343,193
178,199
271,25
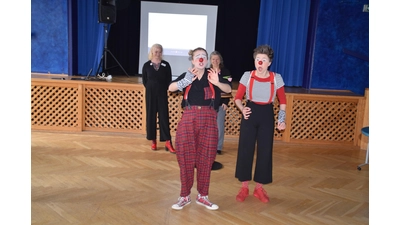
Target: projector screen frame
x,y
180,61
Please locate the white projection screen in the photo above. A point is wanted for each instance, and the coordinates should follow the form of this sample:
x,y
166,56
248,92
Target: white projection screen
x,y
178,28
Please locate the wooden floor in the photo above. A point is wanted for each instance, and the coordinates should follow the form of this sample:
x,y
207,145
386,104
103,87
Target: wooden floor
x,y
113,178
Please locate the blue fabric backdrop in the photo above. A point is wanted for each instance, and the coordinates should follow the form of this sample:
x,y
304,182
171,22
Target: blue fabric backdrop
x,y
283,25
90,37
341,56
49,36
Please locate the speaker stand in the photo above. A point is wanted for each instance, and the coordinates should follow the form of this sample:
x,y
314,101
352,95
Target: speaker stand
x,y
103,61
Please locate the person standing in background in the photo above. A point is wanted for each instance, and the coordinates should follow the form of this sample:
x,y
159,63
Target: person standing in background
x,y
258,122
156,77
196,133
217,63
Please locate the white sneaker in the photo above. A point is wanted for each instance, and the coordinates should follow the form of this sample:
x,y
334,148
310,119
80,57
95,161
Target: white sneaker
x,y
182,202
203,200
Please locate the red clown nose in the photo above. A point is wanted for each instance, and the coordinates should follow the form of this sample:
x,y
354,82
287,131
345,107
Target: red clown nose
x,y
201,60
259,62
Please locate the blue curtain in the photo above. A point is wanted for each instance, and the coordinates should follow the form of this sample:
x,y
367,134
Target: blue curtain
x,y
283,25
90,37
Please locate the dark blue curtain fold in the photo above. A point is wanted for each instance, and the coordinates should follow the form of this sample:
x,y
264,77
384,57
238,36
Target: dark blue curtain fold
x,y
90,37
283,24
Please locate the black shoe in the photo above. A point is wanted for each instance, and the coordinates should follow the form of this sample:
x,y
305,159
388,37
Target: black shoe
x,y
219,152
216,166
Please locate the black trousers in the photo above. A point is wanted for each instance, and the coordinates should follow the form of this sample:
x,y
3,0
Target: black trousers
x,y
257,129
157,103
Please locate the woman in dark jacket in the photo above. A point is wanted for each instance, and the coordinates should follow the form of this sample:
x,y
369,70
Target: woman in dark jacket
x,y
156,76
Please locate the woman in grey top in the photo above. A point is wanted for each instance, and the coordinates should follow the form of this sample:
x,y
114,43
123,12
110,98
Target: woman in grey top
x,y
260,86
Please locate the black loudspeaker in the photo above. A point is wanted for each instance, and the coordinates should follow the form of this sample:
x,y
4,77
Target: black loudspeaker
x,y
107,11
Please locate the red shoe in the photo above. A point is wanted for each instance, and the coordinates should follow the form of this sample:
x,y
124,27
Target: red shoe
x,y
169,147
153,145
261,194
243,193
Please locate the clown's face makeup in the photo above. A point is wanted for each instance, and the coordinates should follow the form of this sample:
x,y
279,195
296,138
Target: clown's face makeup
x,y
262,62
199,59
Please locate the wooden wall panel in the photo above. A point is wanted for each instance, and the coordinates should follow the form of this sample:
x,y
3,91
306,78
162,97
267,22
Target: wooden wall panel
x,y
69,105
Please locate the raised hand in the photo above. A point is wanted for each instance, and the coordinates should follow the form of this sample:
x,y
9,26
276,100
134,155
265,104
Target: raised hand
x,y
213,76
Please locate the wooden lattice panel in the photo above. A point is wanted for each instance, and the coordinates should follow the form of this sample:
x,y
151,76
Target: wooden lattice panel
x,y
54,106
175,110
233,119
323,120
68,105
113,109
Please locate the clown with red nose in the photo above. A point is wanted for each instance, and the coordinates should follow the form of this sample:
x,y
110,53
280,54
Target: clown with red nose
x,y
197,131
259,87
262,63
199,62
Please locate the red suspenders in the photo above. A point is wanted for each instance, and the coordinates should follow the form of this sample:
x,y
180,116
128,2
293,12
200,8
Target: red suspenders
x,y
211,87
272,78
187,93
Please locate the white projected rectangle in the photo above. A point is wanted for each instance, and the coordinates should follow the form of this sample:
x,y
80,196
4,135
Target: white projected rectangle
x,y
177,44
178,28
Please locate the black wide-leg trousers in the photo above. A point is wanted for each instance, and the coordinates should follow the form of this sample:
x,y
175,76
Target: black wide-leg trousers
x,y
257,130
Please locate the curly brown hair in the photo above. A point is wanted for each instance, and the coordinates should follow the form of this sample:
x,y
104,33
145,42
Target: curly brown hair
x,y
264,49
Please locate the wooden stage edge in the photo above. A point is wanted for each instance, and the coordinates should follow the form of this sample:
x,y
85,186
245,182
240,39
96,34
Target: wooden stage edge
x,y
137,79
